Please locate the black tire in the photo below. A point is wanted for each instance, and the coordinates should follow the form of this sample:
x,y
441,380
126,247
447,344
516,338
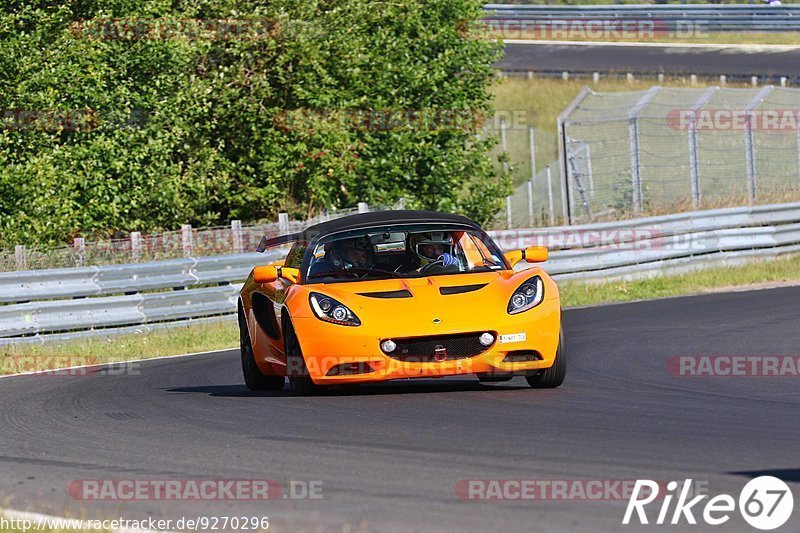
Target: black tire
x,y
296,369
253,377
552,377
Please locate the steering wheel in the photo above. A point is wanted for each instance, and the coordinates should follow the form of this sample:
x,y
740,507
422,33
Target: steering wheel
x,y
427,267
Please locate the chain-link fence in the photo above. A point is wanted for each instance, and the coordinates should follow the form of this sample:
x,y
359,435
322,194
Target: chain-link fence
x,y
668,150
537,199
186,242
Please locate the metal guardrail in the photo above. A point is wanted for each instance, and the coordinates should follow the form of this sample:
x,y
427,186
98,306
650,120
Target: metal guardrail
x,y
28,285
740,17
51,303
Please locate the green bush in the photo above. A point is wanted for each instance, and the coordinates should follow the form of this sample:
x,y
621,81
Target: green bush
x,y
172,121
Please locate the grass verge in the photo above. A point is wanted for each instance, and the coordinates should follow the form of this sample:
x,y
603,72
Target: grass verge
x,y
199,338
93,351
757,274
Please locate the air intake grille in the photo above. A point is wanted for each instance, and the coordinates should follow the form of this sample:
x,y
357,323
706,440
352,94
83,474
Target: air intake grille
x,y
350,369
522,356
437,349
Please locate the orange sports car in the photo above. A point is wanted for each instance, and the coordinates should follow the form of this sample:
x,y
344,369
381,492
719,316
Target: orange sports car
x,y
396,295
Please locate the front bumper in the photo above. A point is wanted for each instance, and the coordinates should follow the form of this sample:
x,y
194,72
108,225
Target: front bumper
x,y
326,346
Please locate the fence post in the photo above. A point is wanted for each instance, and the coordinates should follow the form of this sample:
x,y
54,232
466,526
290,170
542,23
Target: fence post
x,y
587,150
236,234
798,151
186,240
749,145
504,144
283,222
80,246
550,196
136,246
694,165
633,137
533,152
20,257
532,182
529,190
561,124
509,220
363,207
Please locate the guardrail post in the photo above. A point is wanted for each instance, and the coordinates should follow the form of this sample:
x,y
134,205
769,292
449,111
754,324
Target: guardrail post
x,y
283,222
20,257
550,196
136,246
80,247
363,207
509,220
633,135
186,240
236,236
749,145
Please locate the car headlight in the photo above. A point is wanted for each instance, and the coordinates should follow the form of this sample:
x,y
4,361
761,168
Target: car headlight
x,y
527,296
330,310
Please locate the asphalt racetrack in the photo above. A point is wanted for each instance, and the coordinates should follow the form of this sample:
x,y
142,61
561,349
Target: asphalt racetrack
x,y
707,60
390,456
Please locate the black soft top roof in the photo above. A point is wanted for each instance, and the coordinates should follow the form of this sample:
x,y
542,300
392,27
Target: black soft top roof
x,y
368,220
380,218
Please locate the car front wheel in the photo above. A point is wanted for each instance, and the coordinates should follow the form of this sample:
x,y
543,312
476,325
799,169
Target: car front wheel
x,y
253,377
552,377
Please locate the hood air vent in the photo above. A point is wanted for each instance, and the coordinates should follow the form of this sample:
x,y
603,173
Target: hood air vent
x,y
402,293
444,291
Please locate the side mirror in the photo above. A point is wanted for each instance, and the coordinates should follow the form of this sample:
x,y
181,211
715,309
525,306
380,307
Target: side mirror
x,y
536,254
533,254
265,274
270,273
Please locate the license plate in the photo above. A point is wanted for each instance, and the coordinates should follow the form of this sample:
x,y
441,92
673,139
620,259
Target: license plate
x,y
513,337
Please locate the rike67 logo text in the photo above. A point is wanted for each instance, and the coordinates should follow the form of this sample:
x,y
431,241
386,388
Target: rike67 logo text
x,y
765,503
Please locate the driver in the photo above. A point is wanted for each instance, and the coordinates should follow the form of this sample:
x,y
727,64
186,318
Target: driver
x,y
432,248
354,253
343,255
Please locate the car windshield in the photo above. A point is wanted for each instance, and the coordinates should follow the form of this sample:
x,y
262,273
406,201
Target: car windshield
x,y
401,252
